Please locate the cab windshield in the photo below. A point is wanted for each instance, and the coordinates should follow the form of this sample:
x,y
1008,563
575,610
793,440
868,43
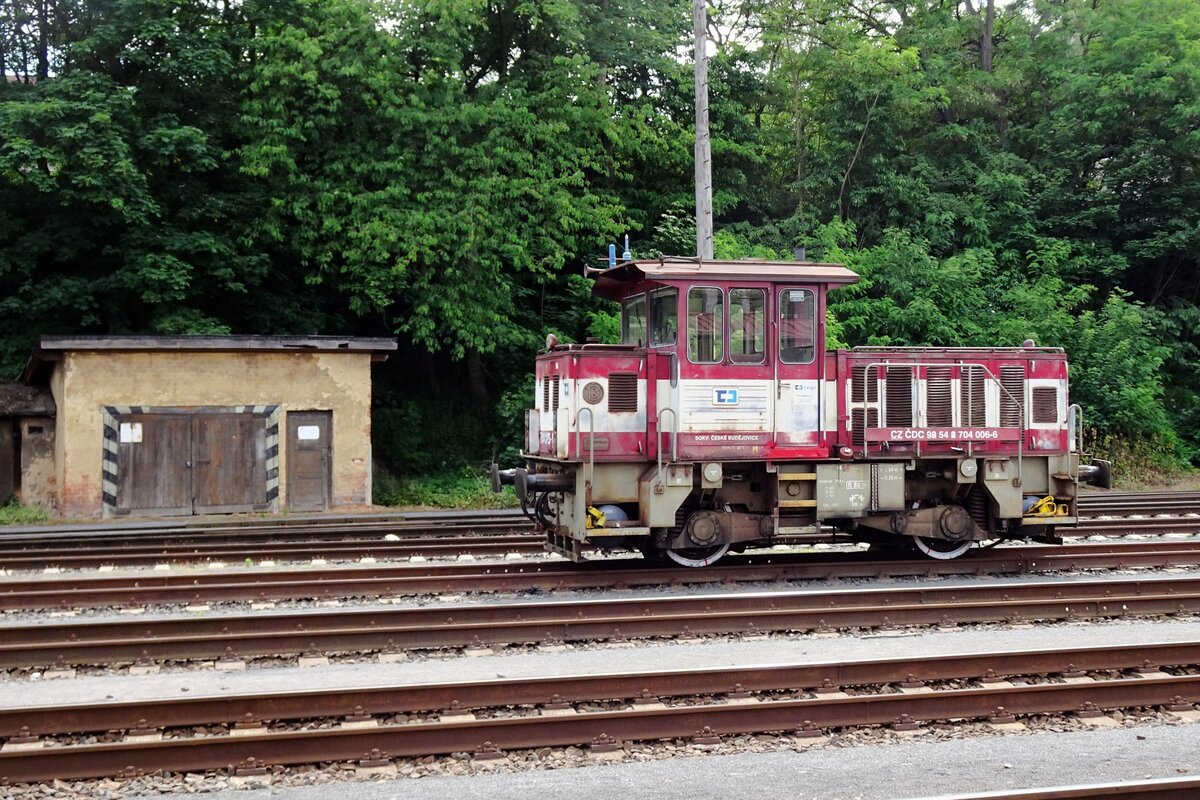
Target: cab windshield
x,y
633,320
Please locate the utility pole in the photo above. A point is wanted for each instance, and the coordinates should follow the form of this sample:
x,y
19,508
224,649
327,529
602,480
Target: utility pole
x,y
985,41
704,224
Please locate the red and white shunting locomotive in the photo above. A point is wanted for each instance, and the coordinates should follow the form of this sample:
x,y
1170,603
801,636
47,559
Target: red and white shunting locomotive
x,y
721,422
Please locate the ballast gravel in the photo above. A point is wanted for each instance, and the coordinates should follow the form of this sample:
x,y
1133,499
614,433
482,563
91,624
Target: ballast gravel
x,y
884,766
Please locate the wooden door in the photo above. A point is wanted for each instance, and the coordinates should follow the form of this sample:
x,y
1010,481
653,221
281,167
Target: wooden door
x,y
229,472
154,454
309,448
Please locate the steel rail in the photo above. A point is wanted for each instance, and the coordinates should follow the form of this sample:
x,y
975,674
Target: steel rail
x,y
251,522
705,721
369,630
118,536
379,581
297,529
1160,789
341,549
160,714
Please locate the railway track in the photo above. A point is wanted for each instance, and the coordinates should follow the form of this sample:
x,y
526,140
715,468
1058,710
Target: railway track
x,y
235,637
1092,504
490,717
349,543
245,734
1161,789
350,548
326,583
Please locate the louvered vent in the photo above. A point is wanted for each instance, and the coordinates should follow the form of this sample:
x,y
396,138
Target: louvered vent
x,y
554,393
622,391
899,409
1012,395
858,378
545,394
857,435
1045,404
939,405
973,396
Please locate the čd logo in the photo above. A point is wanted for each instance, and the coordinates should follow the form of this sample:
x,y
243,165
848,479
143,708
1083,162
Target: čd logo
x,y
725,397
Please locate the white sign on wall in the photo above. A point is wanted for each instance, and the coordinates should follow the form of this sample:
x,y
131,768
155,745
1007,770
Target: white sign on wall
x,y
308,433
131,432
804,406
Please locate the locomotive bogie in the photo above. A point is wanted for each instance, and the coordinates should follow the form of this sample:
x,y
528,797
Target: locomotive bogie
x,y
685,505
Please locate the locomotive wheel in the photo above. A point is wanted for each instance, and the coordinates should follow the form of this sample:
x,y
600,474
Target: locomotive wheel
x,y
941,549
697,556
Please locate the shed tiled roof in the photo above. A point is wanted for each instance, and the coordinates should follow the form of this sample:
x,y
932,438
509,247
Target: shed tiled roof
x,y
349,344
20,400
51,348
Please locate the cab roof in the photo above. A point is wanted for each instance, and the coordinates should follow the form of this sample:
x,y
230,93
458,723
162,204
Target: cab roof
x,y
611,283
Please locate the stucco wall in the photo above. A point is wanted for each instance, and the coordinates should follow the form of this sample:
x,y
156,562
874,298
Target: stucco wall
x,y
39,480
303,381
54,490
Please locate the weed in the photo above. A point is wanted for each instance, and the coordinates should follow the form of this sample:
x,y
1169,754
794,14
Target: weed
x,y
1140,464
13,513
465,489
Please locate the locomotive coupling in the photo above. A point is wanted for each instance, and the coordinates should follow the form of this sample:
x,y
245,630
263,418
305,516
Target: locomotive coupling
x,y
502,477
527,483
1098,473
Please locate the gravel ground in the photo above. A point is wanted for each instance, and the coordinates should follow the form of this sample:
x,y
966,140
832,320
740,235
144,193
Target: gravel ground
x,y
665,655
882,764
889,771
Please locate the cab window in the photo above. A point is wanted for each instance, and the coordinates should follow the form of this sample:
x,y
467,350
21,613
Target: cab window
x,y
747,326
705,325
797,326
633,320
664,317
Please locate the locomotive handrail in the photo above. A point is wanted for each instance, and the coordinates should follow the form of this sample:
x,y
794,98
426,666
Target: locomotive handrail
x,y
919,405
566,348
1075,427
674,435
591,439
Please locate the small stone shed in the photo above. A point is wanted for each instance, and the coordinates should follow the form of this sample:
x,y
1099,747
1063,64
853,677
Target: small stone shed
x,y
26,444
175,425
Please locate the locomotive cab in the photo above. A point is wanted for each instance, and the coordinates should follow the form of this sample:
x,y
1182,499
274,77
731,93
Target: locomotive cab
x,y
721,422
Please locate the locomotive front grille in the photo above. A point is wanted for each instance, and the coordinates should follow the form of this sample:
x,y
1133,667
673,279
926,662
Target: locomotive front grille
x,y
1045,404
1012,395
899,393
858,378
545,394
622,391
939,402
858,430
973,395
555,388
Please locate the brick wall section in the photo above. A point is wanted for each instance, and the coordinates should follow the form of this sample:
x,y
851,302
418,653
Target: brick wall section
x,y
85,382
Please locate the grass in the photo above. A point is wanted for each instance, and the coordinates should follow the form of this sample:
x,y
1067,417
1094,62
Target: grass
x,y
465,489
13,513
1145,465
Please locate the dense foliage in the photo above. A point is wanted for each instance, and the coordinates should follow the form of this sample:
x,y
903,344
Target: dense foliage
x,y
440,171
